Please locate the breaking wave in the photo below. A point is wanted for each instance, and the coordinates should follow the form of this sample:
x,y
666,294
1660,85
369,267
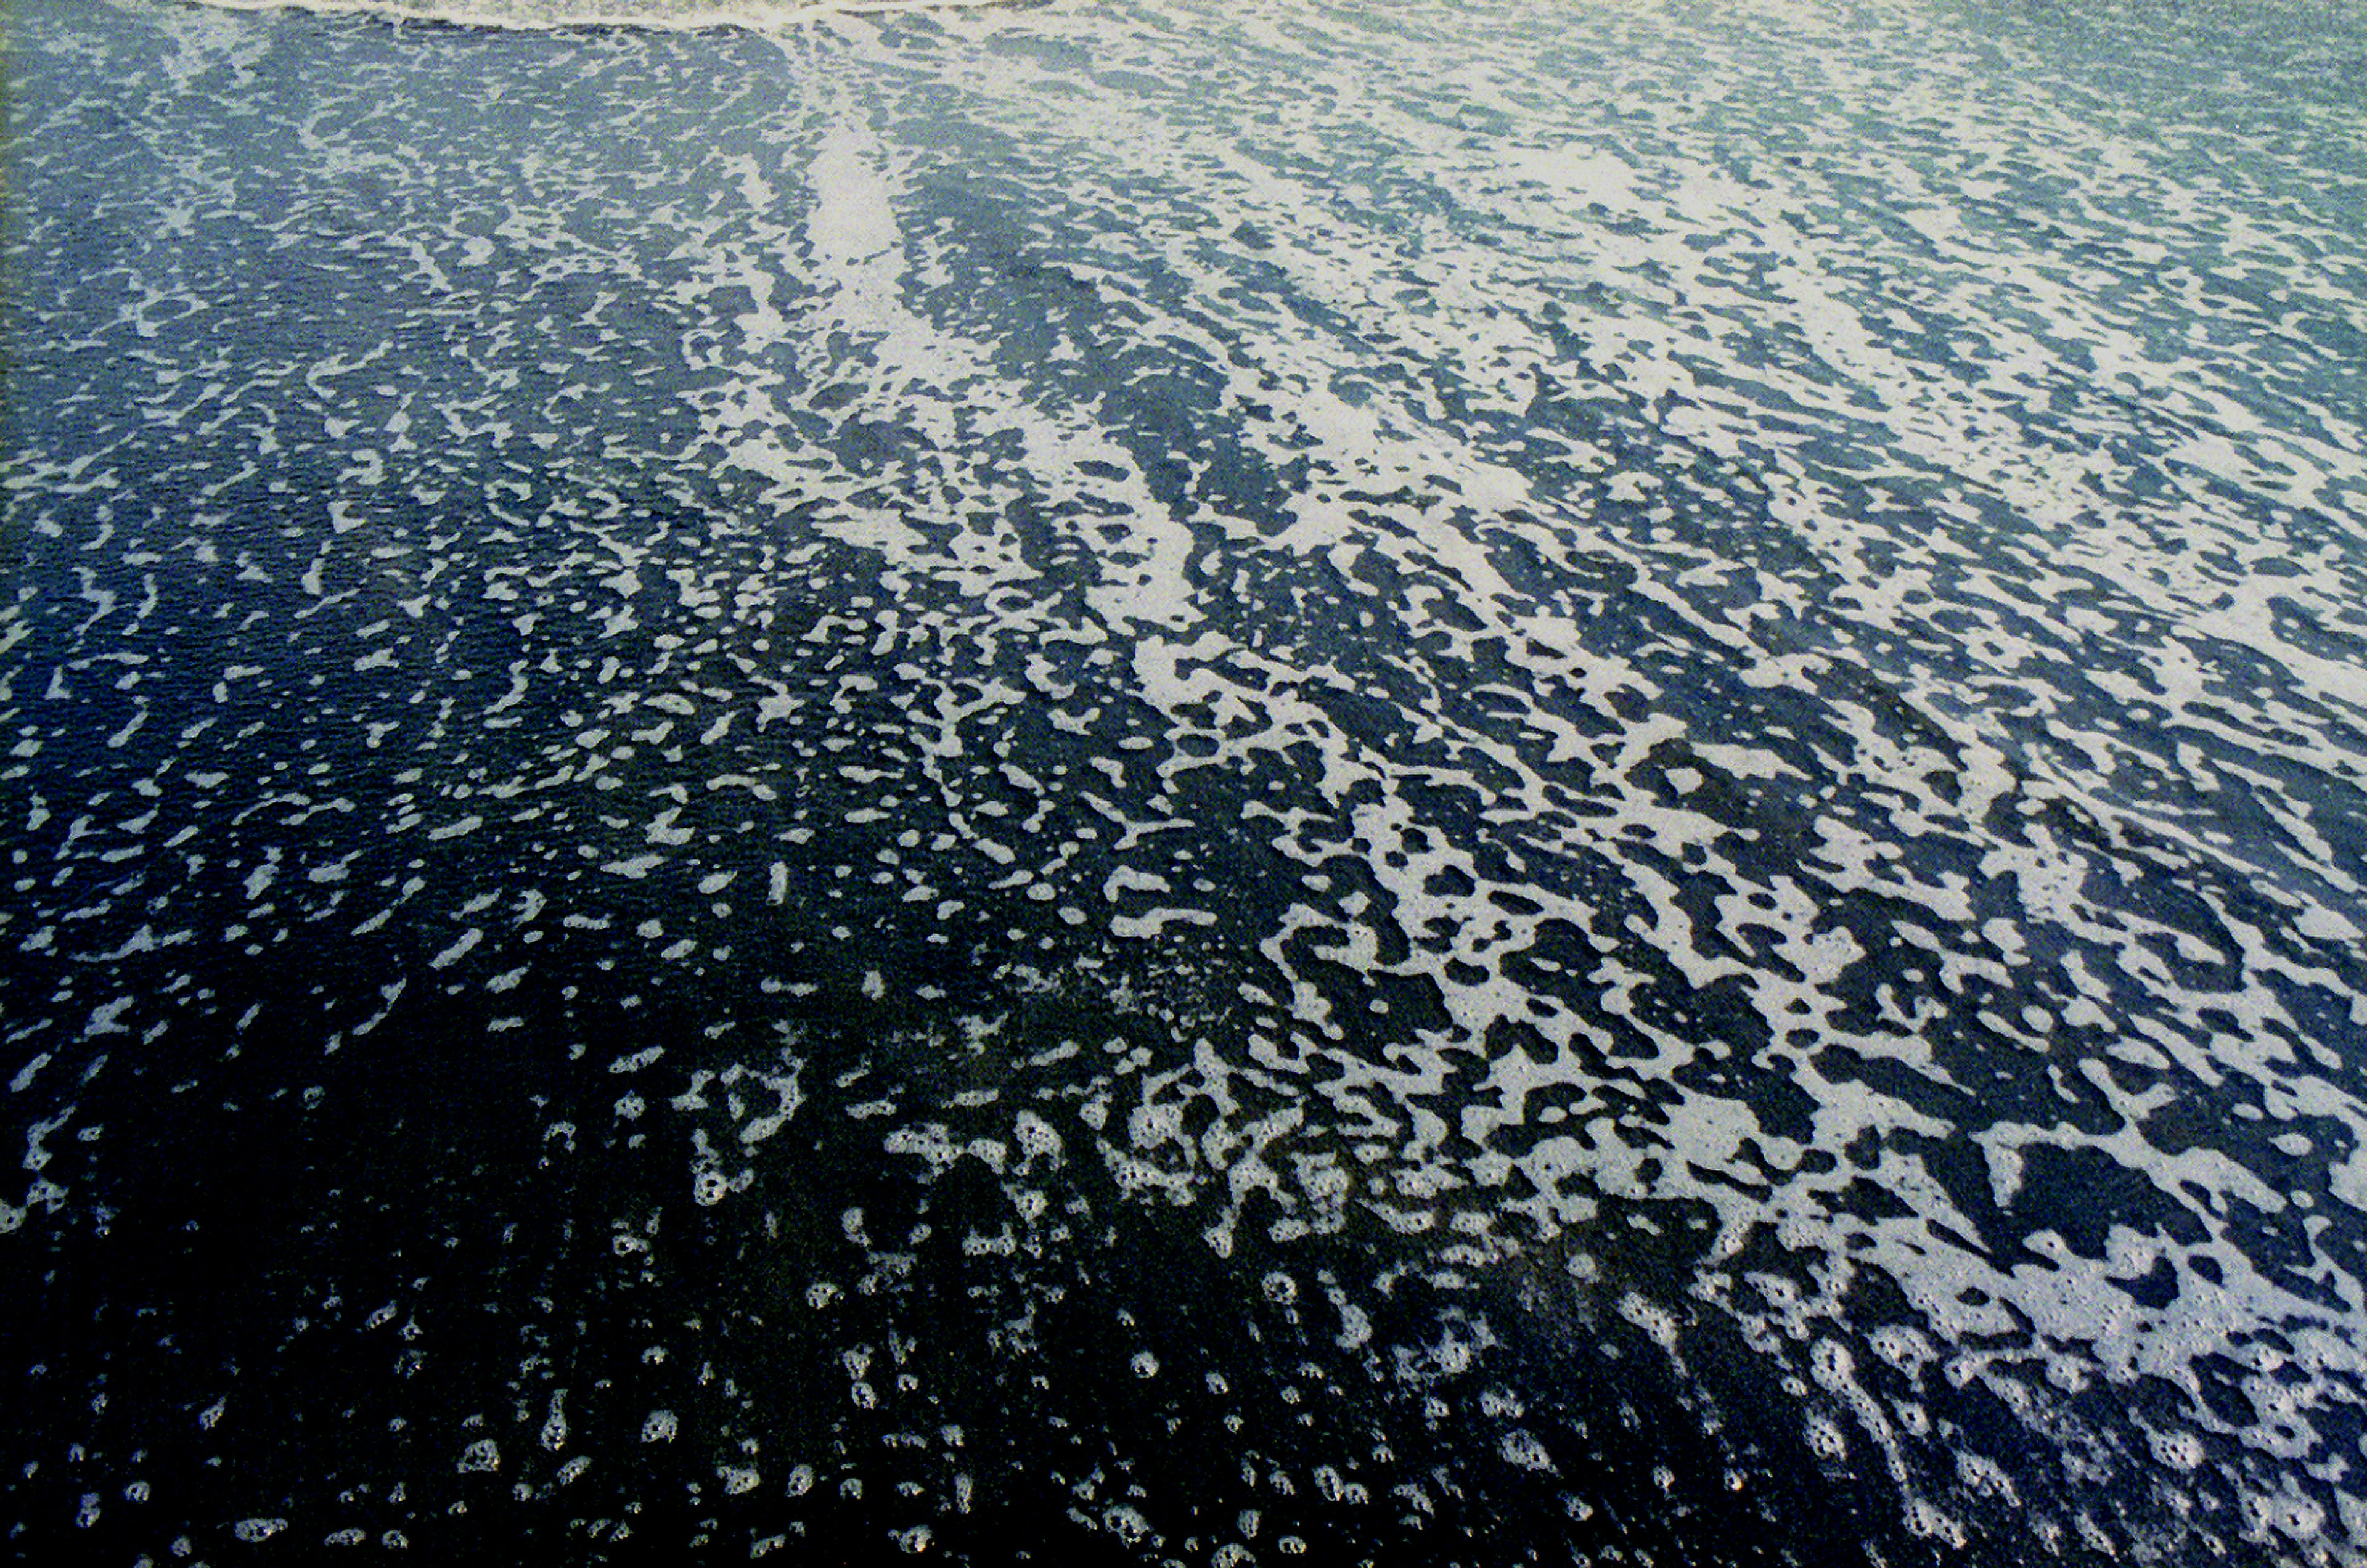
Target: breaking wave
x,y
542,15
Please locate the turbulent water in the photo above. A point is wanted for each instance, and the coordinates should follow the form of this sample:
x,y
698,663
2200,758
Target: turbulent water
x,y
1176,782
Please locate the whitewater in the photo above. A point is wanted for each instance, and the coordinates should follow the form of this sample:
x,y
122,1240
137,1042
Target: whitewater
x,y
1111,782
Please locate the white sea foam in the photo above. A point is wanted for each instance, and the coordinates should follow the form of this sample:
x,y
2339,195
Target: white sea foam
x,y
1739,715
661,15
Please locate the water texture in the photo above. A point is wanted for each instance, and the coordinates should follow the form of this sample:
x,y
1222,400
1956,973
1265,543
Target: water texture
x,y
1135,783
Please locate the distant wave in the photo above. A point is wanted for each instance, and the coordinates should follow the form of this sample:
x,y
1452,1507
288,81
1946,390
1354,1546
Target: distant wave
x,y
554,14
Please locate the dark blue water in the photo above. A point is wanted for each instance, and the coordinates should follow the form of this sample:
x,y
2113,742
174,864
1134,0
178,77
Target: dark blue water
x,y
1186,784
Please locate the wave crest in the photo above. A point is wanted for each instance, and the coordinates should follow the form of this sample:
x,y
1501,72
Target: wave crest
x,y
548,16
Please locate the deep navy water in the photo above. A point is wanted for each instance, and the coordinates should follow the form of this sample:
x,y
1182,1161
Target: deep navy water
x,y
1134,783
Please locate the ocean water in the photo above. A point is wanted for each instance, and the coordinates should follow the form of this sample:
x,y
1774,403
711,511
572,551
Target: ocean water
x,y
1123,781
